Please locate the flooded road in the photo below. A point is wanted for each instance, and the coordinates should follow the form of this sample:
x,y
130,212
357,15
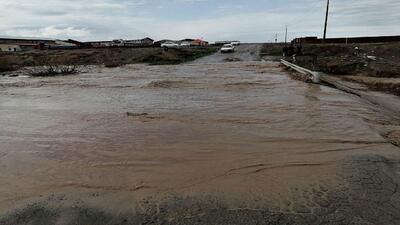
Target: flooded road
x,y
242,134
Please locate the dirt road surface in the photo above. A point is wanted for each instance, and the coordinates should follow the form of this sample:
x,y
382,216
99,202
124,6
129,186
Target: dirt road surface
x,y
244,52
200,143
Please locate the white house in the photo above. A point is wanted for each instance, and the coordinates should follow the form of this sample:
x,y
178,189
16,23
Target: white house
x,y
64,44
25,43
10,48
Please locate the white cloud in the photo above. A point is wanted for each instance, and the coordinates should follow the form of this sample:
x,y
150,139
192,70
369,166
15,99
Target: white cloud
x,y
50,31
109,19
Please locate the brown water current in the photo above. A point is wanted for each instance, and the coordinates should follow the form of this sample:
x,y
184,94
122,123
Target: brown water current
x,y
243,130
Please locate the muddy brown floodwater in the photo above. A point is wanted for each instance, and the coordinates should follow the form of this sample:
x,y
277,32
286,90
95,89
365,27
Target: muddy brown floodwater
x,y
201,143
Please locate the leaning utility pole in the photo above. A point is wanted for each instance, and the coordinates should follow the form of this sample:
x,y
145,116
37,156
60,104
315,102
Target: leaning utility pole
x,y
326,20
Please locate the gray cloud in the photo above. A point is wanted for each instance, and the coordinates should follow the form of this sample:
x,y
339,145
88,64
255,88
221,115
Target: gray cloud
x,y
107,19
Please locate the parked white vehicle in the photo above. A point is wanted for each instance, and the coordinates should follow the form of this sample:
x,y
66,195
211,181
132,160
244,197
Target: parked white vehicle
x,y
235,43
227,48
169,45
185,44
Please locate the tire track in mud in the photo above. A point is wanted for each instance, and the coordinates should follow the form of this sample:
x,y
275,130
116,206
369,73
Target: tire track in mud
x,y
368,195
253,169
104,188
337,150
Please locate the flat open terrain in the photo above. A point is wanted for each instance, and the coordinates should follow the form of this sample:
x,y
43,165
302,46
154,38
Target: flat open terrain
x,y
208,142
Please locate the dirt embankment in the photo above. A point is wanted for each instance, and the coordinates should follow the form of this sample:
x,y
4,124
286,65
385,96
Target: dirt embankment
x,y
270,49
110,57
376,60
374,65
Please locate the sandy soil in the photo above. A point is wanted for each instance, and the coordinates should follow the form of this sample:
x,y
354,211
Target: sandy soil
x,y
199,143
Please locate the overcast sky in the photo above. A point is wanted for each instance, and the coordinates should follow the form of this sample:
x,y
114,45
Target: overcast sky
x,y
245,20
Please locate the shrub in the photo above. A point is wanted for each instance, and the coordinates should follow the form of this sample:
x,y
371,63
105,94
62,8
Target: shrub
x,y
6,66
53,66
53,70
112,60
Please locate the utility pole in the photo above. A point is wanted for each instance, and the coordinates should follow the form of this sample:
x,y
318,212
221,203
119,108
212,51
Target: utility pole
x,y
326,19
286,36
276,38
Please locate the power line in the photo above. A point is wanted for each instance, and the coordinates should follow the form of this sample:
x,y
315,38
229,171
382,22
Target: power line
x,y
311,9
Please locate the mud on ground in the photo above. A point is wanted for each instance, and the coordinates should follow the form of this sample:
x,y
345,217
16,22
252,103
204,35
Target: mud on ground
x,y
368,195
197,143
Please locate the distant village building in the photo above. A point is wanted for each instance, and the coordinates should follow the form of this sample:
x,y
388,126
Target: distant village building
x,y
100,44
193,42
63,45
220,43
187,42
184,42
118,43
27,43
199,42
141,42
78,44
10,48
145,42
20,44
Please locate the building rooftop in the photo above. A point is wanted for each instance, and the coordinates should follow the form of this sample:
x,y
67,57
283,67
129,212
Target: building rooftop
x,y
26,38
